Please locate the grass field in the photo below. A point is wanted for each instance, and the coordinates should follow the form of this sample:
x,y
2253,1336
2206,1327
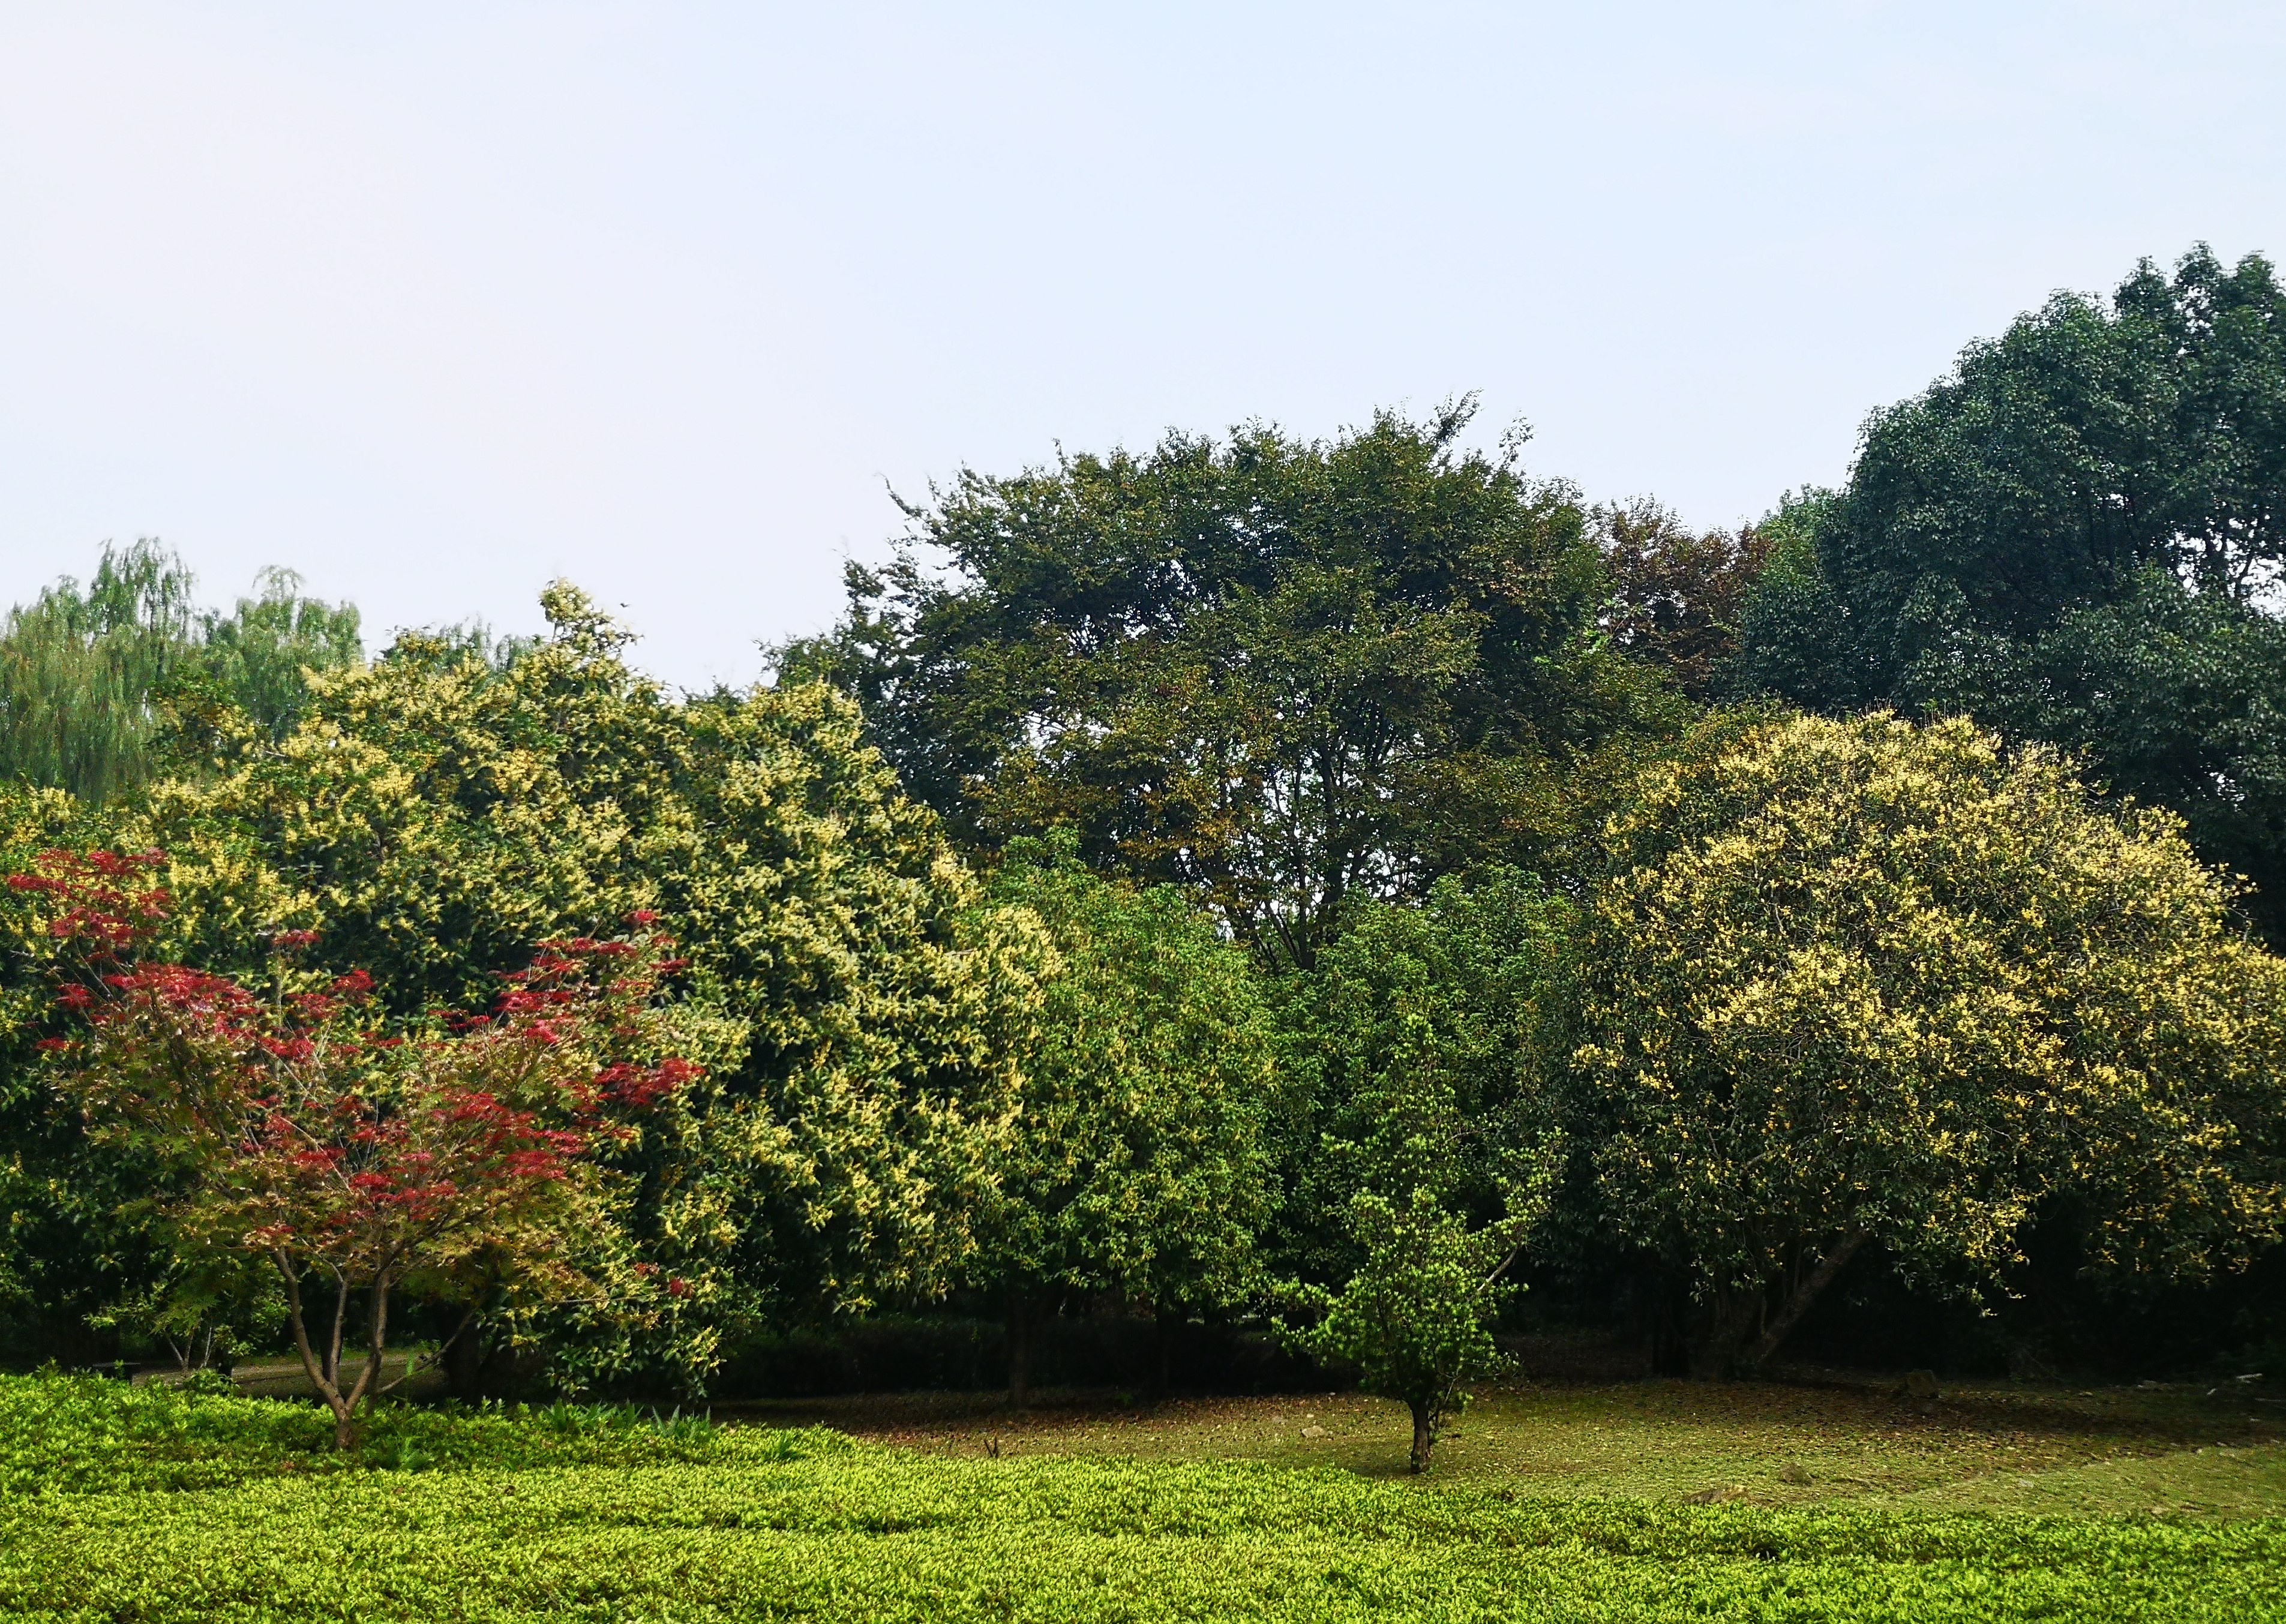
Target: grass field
x,y
2155,1450
1557,1503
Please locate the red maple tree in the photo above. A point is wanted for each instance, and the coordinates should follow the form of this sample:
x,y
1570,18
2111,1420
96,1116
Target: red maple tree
x,y
368,1160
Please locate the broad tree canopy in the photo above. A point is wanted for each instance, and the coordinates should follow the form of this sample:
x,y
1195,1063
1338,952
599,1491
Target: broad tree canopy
x,y
1869,982
1281,675
435,816
2077,537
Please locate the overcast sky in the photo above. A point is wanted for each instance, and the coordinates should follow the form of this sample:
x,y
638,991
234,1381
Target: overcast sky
x,y
434,303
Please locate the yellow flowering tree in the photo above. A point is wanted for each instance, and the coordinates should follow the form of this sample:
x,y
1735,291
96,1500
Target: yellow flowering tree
x,y
1864,983
437,813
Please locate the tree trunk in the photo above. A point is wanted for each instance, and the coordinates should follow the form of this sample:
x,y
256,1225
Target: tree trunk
x,y
1815,1281
1720,1333
1424,1434
319,1370
464,1363
1020,1350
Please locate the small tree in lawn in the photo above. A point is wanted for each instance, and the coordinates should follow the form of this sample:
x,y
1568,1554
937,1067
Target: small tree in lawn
x,y
1417,1315
364,1166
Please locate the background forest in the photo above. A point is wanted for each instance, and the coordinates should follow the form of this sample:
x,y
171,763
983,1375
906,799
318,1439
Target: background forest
x,y
1240,902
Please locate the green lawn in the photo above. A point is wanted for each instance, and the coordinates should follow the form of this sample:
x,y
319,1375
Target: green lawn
x,y
2170,1449
150,1505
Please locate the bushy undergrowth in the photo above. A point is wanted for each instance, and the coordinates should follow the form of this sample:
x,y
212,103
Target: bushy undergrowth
x,y
63,1434
598,1515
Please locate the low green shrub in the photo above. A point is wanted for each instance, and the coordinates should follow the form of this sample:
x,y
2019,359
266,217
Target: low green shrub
x,y
601,1514
75,1434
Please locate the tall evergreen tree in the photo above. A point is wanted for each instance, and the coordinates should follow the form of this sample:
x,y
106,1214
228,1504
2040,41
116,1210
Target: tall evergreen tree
x,y
1282,674
2078,537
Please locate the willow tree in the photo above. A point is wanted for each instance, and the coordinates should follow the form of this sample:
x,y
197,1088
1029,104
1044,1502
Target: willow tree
x,y
100,683
79,668
1868,985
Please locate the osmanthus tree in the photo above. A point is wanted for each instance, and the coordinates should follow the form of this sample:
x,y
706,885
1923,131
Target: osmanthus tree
x,y
435,814
365,1164
1416,1317
1136,1166
1856,984
1415,1314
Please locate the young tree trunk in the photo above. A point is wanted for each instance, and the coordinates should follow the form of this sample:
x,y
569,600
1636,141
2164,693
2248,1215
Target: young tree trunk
x,y
1796,1305
325,1373
1424,1434
1020,1349
370,1378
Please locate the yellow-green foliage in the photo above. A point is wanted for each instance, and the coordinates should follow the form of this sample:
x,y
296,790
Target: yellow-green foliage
x,y
1138,1164
433,816
501,1519
1865,977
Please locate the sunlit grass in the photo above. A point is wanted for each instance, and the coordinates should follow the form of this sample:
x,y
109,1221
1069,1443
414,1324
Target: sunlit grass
x,y
1996,1446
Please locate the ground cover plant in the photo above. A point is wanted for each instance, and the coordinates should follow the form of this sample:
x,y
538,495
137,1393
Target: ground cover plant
x,y
528,1516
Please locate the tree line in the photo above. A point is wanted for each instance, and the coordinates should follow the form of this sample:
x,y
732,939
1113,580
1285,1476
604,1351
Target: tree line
x,y
1335,883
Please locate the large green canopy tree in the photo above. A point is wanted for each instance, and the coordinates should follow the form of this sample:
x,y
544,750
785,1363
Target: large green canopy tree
x,y
1862,983
1281,675
2077,537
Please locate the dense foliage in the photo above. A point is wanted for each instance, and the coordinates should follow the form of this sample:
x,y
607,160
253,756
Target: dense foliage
x,y
1138,1168
1260,877
452,1159
1282,674
2076,538
1863,983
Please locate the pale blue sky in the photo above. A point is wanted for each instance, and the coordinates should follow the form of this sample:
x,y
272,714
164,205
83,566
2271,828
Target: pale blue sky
x,y
435,303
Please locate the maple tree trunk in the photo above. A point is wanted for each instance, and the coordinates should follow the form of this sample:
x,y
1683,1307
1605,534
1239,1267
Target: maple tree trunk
x,y
320,1371
325,1374
369,1379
